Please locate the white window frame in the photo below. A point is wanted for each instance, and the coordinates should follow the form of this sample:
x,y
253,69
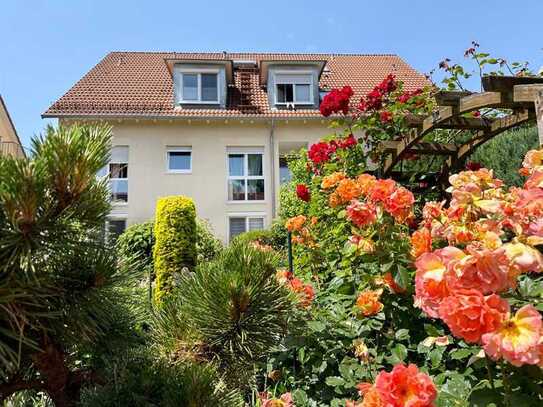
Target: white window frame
x,y
174,149
198,73
295,102
246,177
247,216
113,202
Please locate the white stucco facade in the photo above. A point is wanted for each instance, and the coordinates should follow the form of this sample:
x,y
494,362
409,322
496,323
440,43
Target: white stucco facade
x,y
207,183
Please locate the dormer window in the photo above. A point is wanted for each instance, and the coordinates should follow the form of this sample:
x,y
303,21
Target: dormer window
x,y
200,87
294,87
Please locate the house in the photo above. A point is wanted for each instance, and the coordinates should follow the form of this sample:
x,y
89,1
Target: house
x,y
9,140
213,126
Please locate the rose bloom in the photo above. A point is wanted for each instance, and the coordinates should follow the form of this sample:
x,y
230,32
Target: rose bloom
x,y
366,181
348,189
400,203
361,214
361,350
284,401
517,339
523,257
421,242
296,223
535,180
368,302
305,292
533,159
432,278
372,398
469,314
405,386
283,276
320,152
332,180
362,244
385,116
382,189
334,200
303,192
484,270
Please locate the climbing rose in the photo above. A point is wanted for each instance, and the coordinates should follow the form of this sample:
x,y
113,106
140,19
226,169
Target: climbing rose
x,y
516,339
469,314
348,189
399,203
361,214
366,182
348,142
382,189
336,101
296,223
405,386
368,302
320,152
303,192
332,180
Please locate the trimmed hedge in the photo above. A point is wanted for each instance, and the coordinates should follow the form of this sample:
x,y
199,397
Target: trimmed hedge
x,y
175,246
137,242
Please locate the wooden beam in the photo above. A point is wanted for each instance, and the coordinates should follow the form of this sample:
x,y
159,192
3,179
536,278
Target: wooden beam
x,y
450,98
526,93
420,148
479,100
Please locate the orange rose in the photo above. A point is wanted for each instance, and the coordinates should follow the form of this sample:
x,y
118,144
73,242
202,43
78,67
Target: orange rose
x,y
332,180
296,223
368,302
405,386
421,242
365,181
392,285
348,189
469,315
382,189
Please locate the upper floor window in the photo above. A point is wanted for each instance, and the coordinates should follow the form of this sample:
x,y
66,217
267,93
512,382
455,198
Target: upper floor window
x,y
294,87
117,172
200,87
179,159
245,176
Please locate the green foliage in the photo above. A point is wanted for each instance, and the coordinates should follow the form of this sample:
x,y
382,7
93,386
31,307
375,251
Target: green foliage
x,y
231,310
175,247
67,303
137,242
275,236
505,152
207,245
139,380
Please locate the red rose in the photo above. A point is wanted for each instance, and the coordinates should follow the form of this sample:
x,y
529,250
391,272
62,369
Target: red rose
x,y
320,152
348,142
336,101
385,116
303,192
473,166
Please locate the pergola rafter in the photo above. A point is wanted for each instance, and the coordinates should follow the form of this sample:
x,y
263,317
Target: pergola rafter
x,y
524,96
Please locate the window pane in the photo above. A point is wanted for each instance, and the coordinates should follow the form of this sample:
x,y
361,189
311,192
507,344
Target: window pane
x,y
255,164
256,224
235,165
255,190
237,226
284,172
209,87
284,93
302,93
115,228
179,160
119,190
190,86
236,190
118,170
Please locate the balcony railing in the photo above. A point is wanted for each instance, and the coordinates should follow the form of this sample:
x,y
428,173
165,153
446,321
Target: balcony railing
x,y
11,148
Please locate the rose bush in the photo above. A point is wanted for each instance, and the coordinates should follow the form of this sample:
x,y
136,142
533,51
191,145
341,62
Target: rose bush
x,y
408,303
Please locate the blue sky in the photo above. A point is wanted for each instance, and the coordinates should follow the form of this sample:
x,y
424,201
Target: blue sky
x,y
48,45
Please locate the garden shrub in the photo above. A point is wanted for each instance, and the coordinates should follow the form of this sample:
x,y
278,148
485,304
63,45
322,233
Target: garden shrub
x,y
207,245
175,247
139,380
231,310
137,242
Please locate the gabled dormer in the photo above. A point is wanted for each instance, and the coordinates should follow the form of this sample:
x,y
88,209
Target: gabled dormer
x,y
292,84
200,83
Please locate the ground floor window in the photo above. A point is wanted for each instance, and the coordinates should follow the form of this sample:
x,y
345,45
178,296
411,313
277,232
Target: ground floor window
x,y
114,228
244,223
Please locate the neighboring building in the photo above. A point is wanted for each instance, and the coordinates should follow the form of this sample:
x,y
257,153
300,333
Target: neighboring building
x,y
213,126
9,140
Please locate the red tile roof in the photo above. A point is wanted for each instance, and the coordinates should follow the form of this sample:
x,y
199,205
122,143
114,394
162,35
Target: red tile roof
x,y
125,84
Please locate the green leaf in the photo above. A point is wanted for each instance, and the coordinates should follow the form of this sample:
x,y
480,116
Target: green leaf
x,y
402,334
334,381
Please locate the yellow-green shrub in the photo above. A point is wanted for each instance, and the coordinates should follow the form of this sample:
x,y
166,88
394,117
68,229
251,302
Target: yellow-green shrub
x,y
175,247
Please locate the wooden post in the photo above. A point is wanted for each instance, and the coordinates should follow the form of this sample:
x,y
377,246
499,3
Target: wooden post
x,y
539,114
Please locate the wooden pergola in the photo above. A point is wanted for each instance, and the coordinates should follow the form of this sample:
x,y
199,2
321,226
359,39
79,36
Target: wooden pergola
x,y
521,96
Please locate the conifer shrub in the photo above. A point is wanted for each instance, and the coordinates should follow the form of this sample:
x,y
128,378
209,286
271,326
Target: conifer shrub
x,y
137,242
175,246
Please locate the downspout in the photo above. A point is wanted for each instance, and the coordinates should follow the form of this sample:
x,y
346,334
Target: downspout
x,y
272,167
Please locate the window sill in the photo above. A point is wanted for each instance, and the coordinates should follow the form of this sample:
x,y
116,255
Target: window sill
x,y
178,172
113,203
198,102
247,202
